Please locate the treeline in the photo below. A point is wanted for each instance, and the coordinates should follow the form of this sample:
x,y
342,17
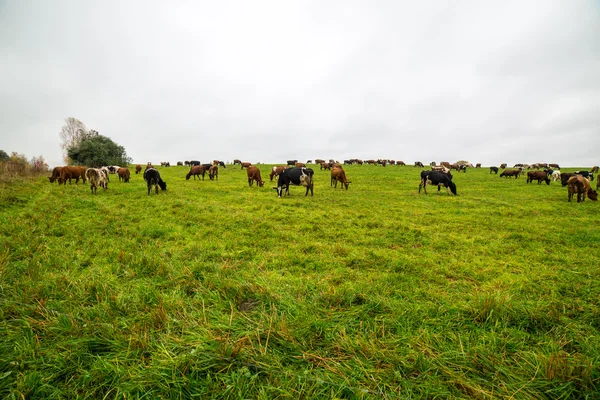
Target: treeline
x,y
17,165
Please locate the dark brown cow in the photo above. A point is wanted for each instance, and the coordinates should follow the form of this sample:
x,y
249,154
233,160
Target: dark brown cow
x,y
400,163
299,165
538,176
579,185
554,166
275,171
510,172
564,178
138,168
254,175
478,165
594,169
124,174
196,171
319,161
503,166
68,173
236,161
245,165
326,165
339,175
55,174
419,164
179,163
213,172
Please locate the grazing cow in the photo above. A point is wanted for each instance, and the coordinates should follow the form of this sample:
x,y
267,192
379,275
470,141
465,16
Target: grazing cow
x,y
207,166
152,178
213,172
400,163
179,163
186,163
437,178
555,176
339,175
124,174
511,172
193,163
245,165
554,166
326,165
196,171
594,169
295,176
458,167
433,164
494,170
299,165
138,168
236,161
585,174
503,166
96,178
276,170
254,175
478,165
319,161
106,173
70,172
291,162
113,169
222,164
55,174
538,176
581,186
419,164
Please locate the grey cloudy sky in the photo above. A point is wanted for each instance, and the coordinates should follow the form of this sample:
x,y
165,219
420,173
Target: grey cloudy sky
x,y
266,81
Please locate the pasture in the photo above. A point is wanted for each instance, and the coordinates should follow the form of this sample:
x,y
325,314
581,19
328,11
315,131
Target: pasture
x,y
213,289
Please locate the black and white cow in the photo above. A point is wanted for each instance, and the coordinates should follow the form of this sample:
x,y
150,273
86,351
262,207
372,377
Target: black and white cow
x,y
152,178
294,176
585,174
437,178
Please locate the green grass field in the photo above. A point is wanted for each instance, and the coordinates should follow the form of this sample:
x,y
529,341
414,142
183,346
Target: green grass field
x,y
214,289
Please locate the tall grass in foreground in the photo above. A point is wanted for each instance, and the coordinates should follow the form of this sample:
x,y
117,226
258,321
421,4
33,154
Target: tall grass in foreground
x,y
213,289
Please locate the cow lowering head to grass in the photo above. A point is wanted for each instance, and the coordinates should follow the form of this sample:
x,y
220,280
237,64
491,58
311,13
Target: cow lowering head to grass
x,y
538,176
494,170
276,170
152,178
339,175
297,177
138,168
196,171
96,178
124,174
254,175
55,174
213,172
577,184
439,179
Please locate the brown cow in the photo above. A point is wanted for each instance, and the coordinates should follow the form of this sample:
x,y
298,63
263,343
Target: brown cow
x,y
400,163
254,175
503,166
478,165
538,176
554,166
148,166
299,164
213,172
319,161
138,168
326,165
275,171
594,169
581,186
71,172
339,175
55,174
245,165
510,172
196,170
124,174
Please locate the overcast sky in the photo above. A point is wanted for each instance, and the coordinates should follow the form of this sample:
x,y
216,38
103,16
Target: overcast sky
x,y
267,81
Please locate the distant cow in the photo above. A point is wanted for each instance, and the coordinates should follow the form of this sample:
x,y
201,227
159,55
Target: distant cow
x,y
138,168
276,170
291,162
594,169
245,165
478,165
326,165
196,171
96,178
299,165
213,172
254,175
503,166
124,174
538,176
419,164
152,178
106,173
564,178
458,167
222,164
236,161
55,174
556,176
319,161
585,174
554,166
193,163
71,172
511,172
437,178
339,175
400,163
579,185
179,163
295,176
494,170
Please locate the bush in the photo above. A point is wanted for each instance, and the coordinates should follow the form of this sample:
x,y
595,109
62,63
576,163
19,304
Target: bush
x,y
16,166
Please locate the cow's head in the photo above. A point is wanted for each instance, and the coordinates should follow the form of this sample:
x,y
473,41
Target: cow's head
x,y
162,184
592,195
261,183
547,180
452,187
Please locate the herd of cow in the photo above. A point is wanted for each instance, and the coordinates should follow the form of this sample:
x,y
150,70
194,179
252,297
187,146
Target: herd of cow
x,y
296,173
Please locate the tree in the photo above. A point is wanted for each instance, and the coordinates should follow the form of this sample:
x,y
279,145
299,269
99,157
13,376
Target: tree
x,y
71,134
96,151
3,156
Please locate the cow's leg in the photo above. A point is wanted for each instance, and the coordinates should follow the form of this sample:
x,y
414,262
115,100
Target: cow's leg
x,y
250,182
156,188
